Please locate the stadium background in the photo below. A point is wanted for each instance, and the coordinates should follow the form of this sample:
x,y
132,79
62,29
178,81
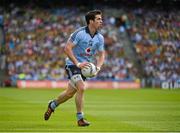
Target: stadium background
x,y
142,42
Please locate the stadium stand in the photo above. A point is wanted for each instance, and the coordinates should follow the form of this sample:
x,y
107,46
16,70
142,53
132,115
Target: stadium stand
x,y
140,42
155,36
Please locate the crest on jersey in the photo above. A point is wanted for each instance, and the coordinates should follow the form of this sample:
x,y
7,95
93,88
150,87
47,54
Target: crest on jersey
x,y
90,43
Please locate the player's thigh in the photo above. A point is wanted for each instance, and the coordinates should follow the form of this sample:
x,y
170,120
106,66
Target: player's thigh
x,y
76,79
70,91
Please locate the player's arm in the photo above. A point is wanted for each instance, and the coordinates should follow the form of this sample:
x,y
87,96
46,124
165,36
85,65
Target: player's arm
x,y
101,58
100,61
68,51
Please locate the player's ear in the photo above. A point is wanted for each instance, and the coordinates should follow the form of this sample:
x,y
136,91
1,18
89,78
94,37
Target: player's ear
x,y
91,21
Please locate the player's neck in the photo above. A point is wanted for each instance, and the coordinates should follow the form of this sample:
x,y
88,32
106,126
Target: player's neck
x,y
92,30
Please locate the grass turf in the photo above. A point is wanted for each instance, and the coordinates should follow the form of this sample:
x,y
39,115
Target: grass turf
x,y
145,110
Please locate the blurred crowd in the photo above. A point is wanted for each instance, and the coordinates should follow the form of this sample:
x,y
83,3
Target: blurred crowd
x,y
156,38
35,38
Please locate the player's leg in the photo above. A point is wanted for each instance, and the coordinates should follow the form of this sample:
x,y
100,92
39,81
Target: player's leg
x,y
79,99
64,96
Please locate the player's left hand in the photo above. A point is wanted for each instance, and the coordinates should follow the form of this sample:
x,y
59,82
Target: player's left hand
x,y
97,70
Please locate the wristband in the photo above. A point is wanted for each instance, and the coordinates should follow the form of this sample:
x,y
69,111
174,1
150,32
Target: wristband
x,y
78,64
98,68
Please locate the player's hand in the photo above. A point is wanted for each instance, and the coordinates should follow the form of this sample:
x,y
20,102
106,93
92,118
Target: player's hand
x,y
97,71
81,65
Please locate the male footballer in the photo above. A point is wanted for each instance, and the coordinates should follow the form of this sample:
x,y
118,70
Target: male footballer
x,y
82,47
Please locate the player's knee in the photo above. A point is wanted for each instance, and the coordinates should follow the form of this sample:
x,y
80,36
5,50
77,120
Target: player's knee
x,y
81,87
77,82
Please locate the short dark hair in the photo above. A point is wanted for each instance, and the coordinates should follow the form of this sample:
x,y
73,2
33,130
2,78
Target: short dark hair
x,y
91,15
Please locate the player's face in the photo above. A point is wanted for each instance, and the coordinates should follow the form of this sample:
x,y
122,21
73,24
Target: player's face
x,y
98,23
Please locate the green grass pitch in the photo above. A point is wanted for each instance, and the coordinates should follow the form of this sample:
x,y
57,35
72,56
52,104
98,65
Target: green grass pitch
x,y
144,110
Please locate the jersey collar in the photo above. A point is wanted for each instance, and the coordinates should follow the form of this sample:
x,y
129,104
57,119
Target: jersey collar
x,y
87,31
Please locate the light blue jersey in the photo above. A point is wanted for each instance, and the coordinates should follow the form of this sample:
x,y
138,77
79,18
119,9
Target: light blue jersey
x,y
86,46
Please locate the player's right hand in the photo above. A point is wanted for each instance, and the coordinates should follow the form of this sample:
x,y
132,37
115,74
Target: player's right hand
x,y
81,65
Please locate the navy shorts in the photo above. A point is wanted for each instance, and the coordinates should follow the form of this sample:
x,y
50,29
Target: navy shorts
x,y
73,70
